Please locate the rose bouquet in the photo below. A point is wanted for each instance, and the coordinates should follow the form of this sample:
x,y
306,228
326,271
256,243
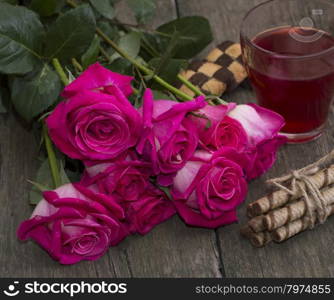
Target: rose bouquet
x,y
122,149
144,165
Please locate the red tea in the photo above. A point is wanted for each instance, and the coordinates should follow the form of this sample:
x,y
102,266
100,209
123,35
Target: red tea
x,y
291,78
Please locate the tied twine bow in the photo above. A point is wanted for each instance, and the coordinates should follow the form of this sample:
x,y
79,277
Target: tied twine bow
x,y
312,196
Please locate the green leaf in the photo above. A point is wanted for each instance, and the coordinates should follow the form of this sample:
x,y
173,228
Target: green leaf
x,y
34,93
70,75
92,53
38,186
21,35
104,7
71,34
63,175
35,195
110,30
159,95
166,190
130,43
14,2
44,8
143,10
194,35
44,182
169,70
120,65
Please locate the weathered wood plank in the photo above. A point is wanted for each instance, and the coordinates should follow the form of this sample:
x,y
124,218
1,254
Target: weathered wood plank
x,y
307,255
171,250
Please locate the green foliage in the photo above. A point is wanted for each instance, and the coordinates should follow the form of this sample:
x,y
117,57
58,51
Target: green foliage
x,y
21,36
104,7
14,2
34,33
121,65
92,53
110,30
34,93
45,8
130,43
169,70
26,49
143,10
194,35
159,95
43,181
71,34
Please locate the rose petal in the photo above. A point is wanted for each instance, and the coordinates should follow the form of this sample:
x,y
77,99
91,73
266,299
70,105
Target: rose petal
x,y
94,78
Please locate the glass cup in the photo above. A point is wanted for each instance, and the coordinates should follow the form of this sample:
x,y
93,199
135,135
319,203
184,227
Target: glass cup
x,y
288,51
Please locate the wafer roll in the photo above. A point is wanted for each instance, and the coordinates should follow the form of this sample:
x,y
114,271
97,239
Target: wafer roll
x,y
246,231
292,212
256,224
281,197
221,71
204,75
259,239
293,228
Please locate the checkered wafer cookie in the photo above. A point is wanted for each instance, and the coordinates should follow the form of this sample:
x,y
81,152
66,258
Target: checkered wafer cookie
x,y
221,71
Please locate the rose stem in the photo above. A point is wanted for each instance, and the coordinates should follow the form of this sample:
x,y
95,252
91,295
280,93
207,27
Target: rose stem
x,y
60,71
142,68
77,65
104,53
48,144
52,158
190,85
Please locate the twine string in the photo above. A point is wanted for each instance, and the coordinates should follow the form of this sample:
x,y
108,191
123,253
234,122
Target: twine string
x,y
300,181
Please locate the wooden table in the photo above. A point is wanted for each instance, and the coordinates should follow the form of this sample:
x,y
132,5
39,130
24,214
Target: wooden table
x,y
172,249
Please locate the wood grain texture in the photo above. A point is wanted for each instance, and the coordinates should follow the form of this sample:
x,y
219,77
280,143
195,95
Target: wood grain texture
x,y
309,254
170,250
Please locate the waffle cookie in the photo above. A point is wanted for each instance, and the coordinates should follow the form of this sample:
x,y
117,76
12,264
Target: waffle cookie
x,y
221,71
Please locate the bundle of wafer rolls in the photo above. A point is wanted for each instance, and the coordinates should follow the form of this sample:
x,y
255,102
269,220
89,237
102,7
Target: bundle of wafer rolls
x,y
282,215
221,71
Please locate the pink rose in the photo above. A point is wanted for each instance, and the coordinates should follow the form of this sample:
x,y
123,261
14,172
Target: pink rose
x,y
99,79
215,113
123,180
227,133
217,130
259,123
168,139
151,208
264,156
262,127
129,184
209,188
95,126
73,223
